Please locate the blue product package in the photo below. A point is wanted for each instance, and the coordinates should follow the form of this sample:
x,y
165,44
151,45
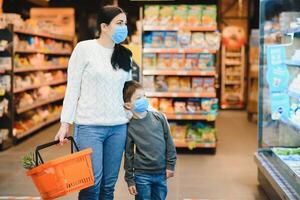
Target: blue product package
x,y
158,38
192,61
206,61
147,40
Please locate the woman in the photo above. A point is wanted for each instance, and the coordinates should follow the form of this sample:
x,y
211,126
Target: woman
x,y
97,72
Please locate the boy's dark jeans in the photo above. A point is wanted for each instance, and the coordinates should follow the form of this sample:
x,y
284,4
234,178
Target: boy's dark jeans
x,y
151,186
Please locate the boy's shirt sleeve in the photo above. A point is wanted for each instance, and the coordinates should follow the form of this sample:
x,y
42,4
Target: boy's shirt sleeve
x,y
171,149
129,156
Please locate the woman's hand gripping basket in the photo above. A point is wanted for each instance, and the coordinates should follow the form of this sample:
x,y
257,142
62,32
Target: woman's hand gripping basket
x,y
63,175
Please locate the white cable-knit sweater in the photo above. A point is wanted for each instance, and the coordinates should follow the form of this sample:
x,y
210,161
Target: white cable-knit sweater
x,y
94,90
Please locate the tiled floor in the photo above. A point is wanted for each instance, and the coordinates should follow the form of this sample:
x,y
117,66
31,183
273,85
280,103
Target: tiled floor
x,y
228,175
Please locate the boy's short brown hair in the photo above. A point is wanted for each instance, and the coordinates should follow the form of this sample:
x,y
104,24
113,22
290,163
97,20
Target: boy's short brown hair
x,y
129,89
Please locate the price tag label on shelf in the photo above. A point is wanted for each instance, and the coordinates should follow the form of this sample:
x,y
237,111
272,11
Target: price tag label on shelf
x,y
174,94
211,117
207,145
178,116
182,73
196,94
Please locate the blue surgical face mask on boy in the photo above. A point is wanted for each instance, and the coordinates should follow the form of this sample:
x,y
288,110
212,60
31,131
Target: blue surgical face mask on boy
x,y
120,34
141,105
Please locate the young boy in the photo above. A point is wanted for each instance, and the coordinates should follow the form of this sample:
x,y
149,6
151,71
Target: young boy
x,y
150,154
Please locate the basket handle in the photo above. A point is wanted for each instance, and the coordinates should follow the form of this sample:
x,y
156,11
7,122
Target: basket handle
x,y
43,146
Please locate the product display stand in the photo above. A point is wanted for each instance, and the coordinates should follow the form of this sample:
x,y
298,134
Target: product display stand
x,y
233,75
179,70
38,80
6,99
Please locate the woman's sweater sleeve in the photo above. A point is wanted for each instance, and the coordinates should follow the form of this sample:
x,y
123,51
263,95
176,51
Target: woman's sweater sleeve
x,y
75,71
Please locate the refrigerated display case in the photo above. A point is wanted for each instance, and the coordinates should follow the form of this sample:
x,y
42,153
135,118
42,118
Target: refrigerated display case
x,y
278,155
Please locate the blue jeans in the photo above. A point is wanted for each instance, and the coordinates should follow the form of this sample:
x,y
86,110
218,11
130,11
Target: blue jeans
x,y
108,143
151,186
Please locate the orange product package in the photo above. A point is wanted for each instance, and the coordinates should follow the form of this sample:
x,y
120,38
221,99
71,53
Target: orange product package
x,y
166,105
185,83
164,61
173,83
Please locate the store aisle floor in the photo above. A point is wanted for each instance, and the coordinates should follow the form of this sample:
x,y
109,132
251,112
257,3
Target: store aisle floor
x,y
231,174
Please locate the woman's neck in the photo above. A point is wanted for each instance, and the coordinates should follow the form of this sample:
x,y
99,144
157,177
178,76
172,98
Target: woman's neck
x,y
105,41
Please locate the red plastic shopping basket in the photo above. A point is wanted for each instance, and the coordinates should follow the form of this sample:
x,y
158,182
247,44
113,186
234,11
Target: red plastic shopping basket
x,y
63,175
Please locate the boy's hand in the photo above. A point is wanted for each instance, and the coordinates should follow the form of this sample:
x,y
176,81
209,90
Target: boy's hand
x,y
169,173
132,190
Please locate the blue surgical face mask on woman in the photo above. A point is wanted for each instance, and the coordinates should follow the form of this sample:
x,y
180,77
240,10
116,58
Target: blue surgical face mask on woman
x,y
120,34
141,105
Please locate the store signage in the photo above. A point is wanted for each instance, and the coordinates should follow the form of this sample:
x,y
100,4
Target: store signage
x,y
278,80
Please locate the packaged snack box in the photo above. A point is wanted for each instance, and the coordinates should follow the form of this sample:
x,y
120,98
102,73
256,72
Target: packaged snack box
x,y
209,85
184,39
147,40
180,15
166,15
151,15
171,39
164,60
178,132
209,15
194,15
178,61
148,83
154,103
173,83
213,40
165,106
206,105
206,62
161,84
198,41
198,84
158,38
149,60
185,83
191,61
180,107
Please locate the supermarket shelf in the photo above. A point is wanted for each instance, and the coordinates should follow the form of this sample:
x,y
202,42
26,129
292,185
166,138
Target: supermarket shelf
x,y
43,52
294,94
293,62
30,69
190,117
174,28
39,104
223,106
42,34
289,122
233,74
229,63
37,127
18,90
233,54
178,72
181,94
232,82
201,145
157,50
